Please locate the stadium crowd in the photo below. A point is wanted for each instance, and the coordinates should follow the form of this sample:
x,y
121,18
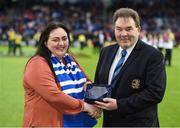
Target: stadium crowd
x,y
22,22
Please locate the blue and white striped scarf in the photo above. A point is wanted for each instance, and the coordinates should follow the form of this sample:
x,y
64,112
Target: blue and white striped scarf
x,y
71,80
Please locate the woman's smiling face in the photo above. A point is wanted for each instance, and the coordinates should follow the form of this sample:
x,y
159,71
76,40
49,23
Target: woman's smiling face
x,y
58,42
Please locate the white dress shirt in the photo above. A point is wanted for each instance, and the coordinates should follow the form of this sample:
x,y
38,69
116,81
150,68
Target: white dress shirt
x,y
116,60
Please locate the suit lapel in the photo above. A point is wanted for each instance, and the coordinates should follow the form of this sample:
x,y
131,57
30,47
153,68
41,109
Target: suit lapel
x,y
110,59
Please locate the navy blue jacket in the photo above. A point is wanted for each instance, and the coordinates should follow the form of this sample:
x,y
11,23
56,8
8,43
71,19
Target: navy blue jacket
x,y
139,87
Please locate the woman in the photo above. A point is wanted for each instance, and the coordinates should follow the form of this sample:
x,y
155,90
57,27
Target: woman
x,y
53,83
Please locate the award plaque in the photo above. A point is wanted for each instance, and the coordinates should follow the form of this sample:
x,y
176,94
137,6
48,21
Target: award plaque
x,y
96,92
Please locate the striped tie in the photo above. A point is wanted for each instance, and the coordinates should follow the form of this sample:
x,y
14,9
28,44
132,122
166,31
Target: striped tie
x,y
119,65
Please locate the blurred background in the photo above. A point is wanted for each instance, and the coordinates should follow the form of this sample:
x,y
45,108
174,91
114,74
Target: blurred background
x,y
88,20
90,24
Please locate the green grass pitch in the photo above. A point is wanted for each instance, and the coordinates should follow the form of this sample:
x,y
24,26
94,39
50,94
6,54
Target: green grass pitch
x,y
12,93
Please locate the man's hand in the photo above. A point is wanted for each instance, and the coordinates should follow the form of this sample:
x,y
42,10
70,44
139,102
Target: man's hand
x,y
108,104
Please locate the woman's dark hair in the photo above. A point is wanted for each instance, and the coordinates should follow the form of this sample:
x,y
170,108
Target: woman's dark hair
x,y
42,50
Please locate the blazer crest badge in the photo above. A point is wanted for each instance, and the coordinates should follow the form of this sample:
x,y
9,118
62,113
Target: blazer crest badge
x,y
135,84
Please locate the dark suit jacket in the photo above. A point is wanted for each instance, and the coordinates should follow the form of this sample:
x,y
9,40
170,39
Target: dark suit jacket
x,y
139,87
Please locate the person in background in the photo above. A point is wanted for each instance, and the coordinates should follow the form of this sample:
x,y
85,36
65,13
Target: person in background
x,y
136,73
53,82
17,43
36,37
169,41
11,37
82,40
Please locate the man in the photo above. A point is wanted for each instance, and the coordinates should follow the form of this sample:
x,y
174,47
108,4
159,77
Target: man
x,y
139,85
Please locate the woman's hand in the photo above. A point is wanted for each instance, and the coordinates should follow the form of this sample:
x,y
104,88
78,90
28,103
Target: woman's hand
x,y
92,110
86,84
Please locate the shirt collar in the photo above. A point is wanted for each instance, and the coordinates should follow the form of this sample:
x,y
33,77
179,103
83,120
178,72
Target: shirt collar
x,y
129,50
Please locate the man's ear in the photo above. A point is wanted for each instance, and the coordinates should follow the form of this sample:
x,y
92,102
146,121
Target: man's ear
x,y
139,29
